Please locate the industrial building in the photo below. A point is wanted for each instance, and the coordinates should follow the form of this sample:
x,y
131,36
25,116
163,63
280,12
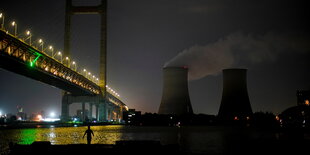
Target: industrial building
x,y
303,97
175,99
235,104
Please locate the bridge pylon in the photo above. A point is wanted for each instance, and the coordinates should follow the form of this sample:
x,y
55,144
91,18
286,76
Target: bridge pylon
x,y
100,101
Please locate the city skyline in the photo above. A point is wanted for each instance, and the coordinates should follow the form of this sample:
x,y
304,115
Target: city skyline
x,y
142,40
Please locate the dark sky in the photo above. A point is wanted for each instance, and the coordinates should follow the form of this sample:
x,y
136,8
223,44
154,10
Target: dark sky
x,y
270,38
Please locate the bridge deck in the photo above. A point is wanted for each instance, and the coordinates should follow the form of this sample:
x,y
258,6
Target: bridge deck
x,y
18,57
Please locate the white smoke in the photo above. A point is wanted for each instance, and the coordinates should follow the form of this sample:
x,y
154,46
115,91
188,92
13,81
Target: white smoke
x,y
235,50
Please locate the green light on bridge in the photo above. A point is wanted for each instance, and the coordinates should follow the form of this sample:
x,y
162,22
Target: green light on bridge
x,y
34,61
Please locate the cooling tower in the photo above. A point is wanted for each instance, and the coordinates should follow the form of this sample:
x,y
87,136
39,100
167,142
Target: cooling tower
x,y
175,99
235,103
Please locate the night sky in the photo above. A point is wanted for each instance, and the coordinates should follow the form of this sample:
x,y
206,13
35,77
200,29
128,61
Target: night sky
x,y
270,39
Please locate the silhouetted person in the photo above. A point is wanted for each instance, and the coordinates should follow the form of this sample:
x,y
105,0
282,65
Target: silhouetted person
x,y
89,132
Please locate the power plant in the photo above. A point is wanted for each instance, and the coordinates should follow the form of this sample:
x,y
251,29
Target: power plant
x,y
235,104
175,99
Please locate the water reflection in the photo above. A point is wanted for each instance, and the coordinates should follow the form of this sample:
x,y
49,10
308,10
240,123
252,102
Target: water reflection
x,y
206,140
27,136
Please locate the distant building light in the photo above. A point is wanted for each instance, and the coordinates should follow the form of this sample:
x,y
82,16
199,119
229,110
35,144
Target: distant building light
x,y
277,118
39,116
52,114
51,119
236,118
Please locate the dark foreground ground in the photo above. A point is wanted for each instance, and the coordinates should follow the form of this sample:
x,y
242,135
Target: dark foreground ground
x,y
121,147
238,147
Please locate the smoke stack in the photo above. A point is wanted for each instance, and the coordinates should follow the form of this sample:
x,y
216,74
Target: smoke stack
x,y
175,99
235,103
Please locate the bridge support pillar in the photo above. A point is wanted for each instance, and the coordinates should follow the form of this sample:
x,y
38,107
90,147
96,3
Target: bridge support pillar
x,y
65,108
90,115
97,112
109,114
105,110
83,111
102,109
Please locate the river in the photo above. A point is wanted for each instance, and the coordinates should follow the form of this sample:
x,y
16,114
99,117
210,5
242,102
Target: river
x,y
192,139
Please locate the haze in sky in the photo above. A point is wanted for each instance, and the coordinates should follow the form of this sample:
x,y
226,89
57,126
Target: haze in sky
x,y
269,38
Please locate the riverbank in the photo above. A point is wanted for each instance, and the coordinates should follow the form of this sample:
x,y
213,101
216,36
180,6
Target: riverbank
x,y
23,125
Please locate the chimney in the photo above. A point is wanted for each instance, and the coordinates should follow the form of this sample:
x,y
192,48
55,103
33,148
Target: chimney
x,y
175,99
235,103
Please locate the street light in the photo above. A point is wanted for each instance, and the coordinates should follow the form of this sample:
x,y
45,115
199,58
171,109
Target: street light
x,y
73,63
59,53
2,23
52,50
68,63
42,44
89,75
29,37
85,71
15,28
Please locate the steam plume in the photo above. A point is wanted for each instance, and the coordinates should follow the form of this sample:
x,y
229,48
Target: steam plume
x,y
236,49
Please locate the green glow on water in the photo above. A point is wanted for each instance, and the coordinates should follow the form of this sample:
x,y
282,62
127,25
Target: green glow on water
x,y
28,136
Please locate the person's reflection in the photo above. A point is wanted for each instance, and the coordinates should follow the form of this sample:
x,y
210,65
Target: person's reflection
x,y
89,133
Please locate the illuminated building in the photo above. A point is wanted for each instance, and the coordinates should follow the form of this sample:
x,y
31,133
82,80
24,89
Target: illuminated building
x,y
303,97
79,114
132,117
20,115
298,116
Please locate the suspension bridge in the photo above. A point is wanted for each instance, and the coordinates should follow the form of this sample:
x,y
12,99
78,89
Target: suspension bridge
x,y
21,55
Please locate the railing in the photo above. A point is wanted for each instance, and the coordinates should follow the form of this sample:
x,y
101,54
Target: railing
x,y
14,47
39,57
